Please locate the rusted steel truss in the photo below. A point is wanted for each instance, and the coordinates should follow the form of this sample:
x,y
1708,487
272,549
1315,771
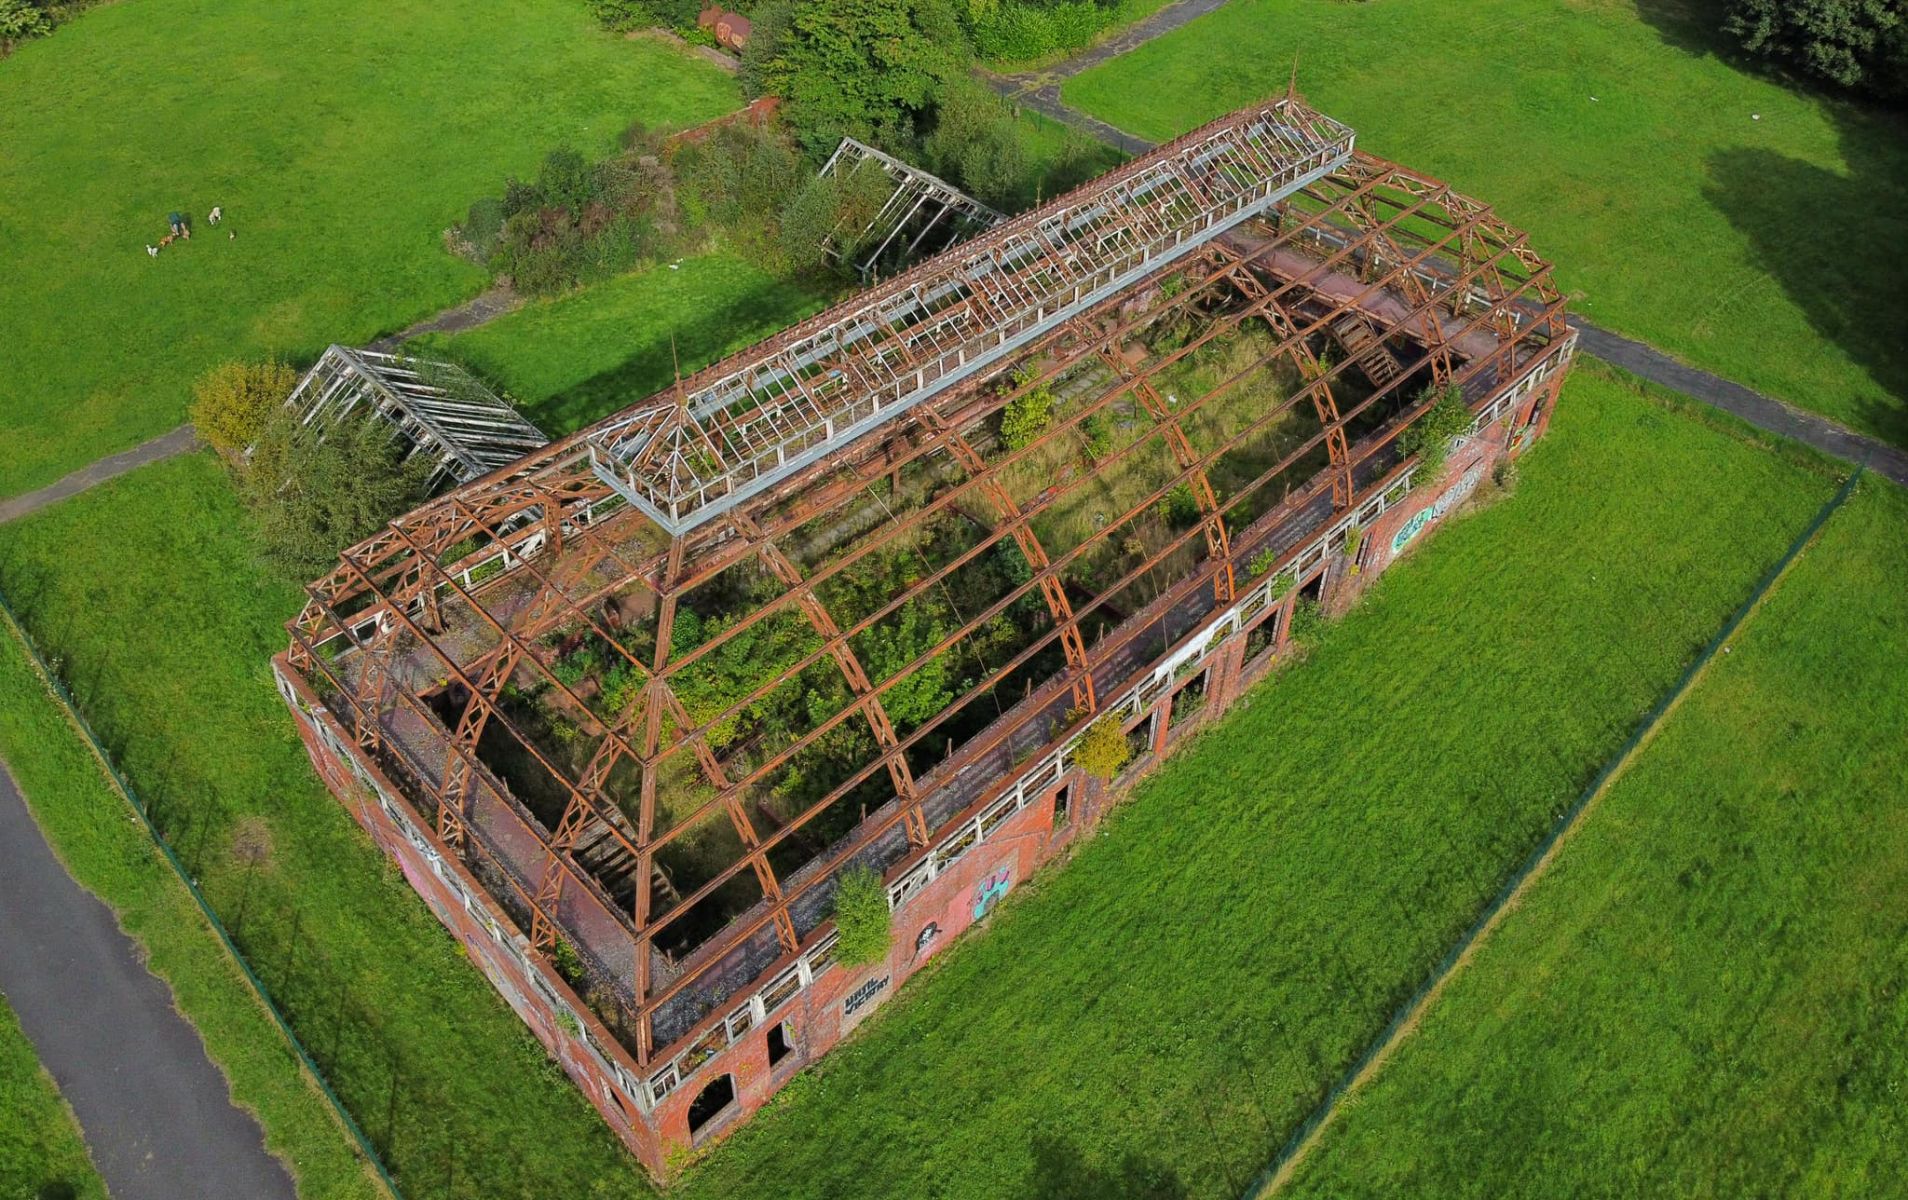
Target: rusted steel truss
x,y
546,658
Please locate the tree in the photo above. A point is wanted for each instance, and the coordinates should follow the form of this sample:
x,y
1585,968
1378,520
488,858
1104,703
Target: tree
x,y
232,401
977,143
312,493
869,69
1430,437
861,918
20,20
1860,44
1103,749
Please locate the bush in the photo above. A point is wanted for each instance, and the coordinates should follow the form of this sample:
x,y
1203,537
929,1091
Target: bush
x,y
1097,432
1308,624
1026,416
313,492
1017,31
1103,750
621,15
977,143
20,20
232,402
1430,437
861,918
1858,44
1179,507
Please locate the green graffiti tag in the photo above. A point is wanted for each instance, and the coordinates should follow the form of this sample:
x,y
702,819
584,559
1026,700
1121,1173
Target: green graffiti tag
x,y
1437,508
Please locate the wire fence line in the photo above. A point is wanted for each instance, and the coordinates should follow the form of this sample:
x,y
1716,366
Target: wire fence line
x,y
161,821
1306,1135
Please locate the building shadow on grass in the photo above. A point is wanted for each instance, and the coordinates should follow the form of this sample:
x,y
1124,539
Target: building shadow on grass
x,y
1061,1172
1837,245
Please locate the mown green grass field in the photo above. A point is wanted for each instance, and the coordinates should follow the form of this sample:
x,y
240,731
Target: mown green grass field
x,y
109,853
1751,229
1708,994
40,1146
341,138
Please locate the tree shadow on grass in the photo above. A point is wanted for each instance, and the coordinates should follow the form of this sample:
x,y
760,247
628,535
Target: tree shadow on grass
x,y
697,339
1837,245
1061,1172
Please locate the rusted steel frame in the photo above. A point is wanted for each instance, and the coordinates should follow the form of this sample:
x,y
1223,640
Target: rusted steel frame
x,y
1132,576
523,646
1211,520
1170,597
853,673
455,784
1324,400
500,718
409,699
1431,327
1059,604
1219,325
1090,408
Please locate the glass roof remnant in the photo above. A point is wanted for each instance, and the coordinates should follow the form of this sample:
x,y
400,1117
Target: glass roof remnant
x,y
733,430
443,412
922,215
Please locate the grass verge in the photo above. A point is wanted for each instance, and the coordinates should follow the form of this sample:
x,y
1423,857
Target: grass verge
x,y
40,1146
1666,184
1708,995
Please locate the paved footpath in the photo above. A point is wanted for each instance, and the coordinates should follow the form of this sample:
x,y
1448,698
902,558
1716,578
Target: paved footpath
x,y
155,1113
99,471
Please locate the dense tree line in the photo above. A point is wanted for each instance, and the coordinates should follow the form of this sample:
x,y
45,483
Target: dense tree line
x,y
1861,45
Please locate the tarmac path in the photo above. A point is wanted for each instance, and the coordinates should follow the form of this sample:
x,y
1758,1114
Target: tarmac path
x,y
157,1116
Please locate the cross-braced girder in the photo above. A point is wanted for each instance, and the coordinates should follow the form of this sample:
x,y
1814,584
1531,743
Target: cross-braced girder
x,y
1001,583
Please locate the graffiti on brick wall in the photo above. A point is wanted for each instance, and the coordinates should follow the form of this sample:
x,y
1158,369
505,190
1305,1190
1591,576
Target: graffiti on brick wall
x,y
990,891
860,996
1453,497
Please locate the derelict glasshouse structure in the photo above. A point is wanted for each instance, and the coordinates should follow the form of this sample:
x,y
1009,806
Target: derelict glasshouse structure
x,y
626,709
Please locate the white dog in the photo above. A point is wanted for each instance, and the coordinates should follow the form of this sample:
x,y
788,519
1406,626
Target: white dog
x,y
152,251
217,214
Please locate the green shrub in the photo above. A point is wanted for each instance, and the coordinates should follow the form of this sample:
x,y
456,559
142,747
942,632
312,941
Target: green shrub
x,y
1026,416
20,20
1179,507
977,143
1097,432
1430,437
622,15
1262,562
861,918
1103,749
1016,31
312,492
232,402
1308,623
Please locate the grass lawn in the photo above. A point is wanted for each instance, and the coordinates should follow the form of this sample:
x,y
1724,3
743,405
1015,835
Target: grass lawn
x,y
340,136
582,356
108,852
1771,251
1708,995
40,1146
150,597
1165,1009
